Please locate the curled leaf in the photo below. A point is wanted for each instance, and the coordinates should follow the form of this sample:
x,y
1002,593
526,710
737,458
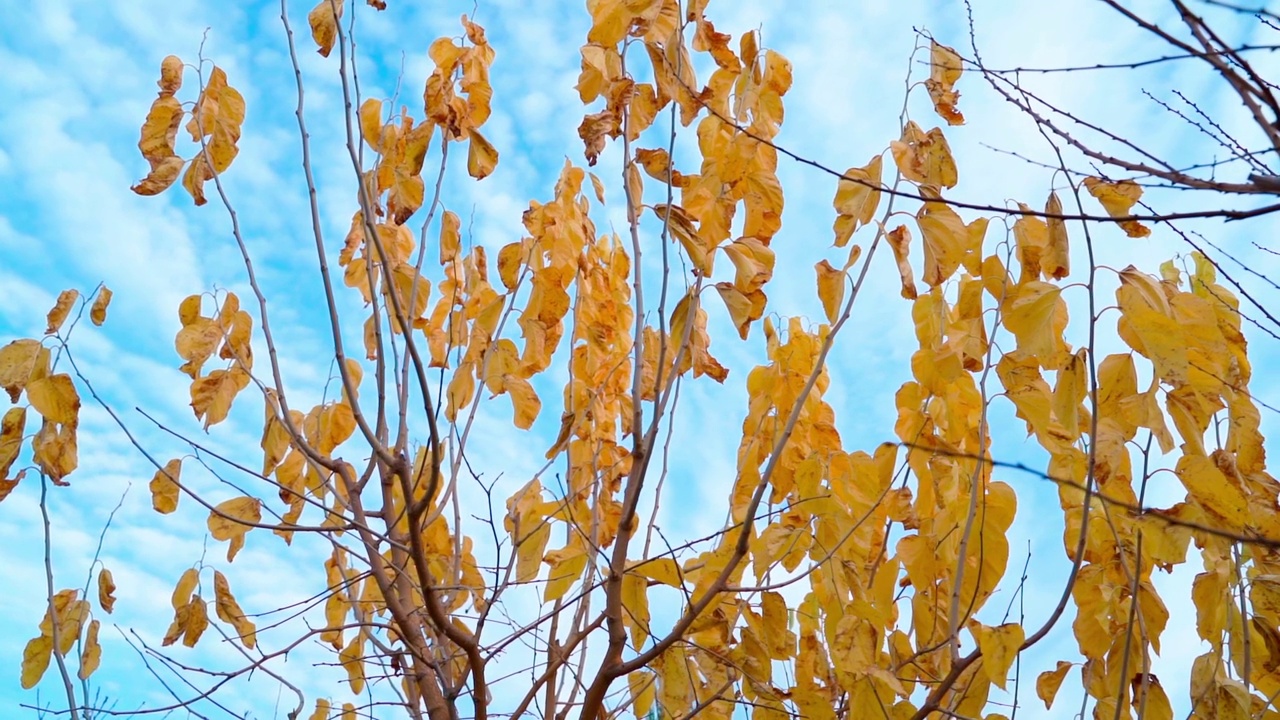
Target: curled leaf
x,y
900,242
323,19
1118,198
58,315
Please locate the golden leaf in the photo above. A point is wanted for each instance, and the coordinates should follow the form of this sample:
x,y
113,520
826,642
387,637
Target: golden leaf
x,y
351,658
642,684
98,313
92,654
20,362
54,450
1036,315
460,391
1000,646
753,261
744,308
635,607
212,395
1056,261
524,400
323,19
482,157
164,487
900,242
55,398
924,158
322,710
945,241
449,236
231,519
229,611
196,621
11,428
567,565
1048,682
35,659
1118,198
57,315
663,570
831,288
944,71
106,591
170,75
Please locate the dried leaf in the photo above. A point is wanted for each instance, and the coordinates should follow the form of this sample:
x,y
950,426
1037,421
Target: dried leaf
x,y
165,488
61,308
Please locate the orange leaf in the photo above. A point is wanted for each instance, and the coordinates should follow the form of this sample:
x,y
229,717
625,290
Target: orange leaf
x,y
61,308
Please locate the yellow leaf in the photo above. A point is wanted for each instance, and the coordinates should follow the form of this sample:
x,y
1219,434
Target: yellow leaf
x,y
524,400
510,257
460,390
530,548
1118,198
449,236
371,123
1056,261
924,158
1048,682
567,565
944,71
55,398
1149,699
663,570
20,360
900,242
753,261
1000,646
945,241
635,607
11,428
857,198
98,313
212,395
164,487
352,659
187,582
106,591
831,288
9,485
337,423
54,450
1036,315
680,224
170,75
642,684
229,611
348,711
196,621
92,654
322,710
1208,486
744,308
323,19
482,157
35,659
228,521
61,308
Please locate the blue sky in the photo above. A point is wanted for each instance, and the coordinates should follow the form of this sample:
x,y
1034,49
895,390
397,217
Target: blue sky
x,y
79,78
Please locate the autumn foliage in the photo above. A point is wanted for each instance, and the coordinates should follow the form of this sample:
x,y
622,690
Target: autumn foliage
x,y
846,581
